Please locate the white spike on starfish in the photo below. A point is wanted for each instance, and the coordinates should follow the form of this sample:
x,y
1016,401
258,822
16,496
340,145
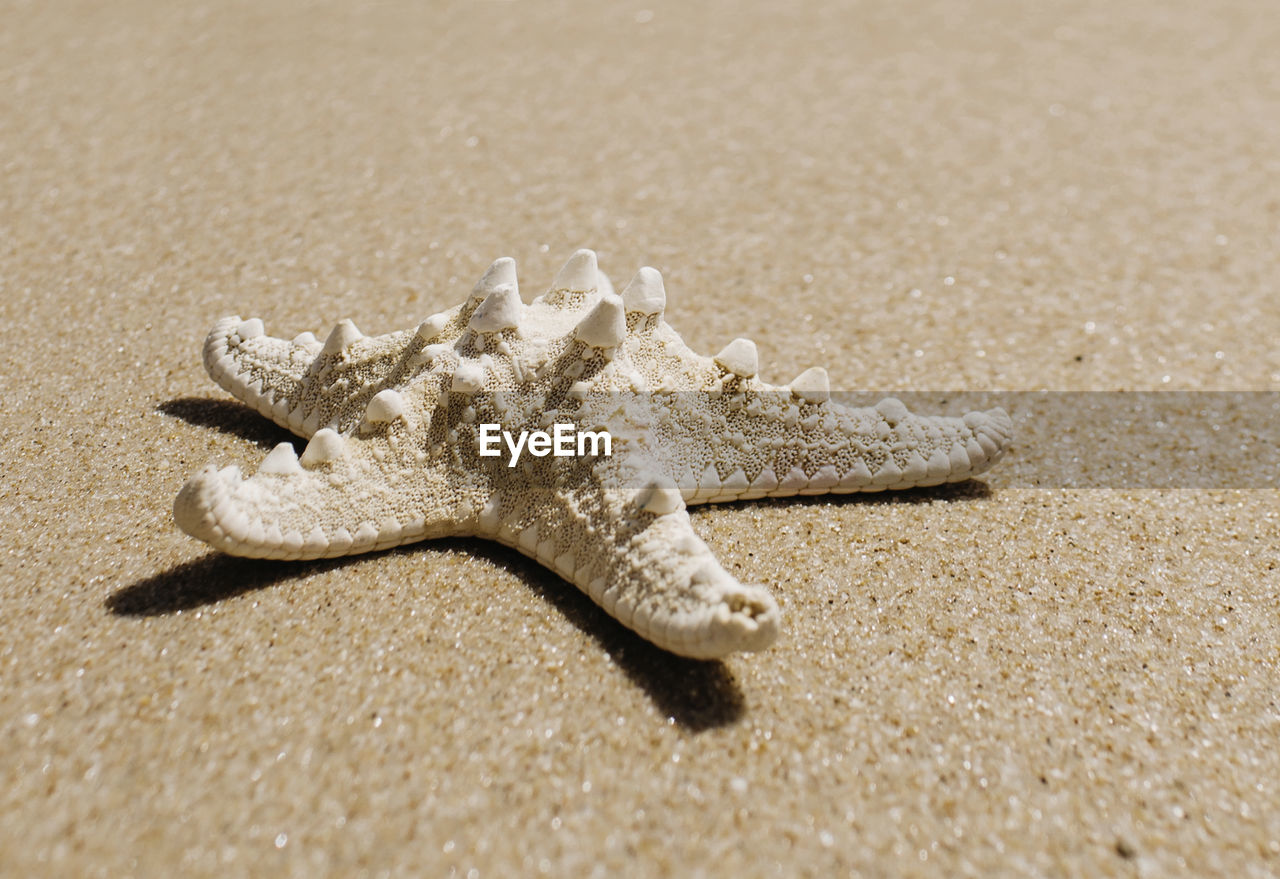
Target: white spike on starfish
x,y
812,385
342,335
386,406
740,358
646,293
501,274
605,325
579,274
499,311
398,449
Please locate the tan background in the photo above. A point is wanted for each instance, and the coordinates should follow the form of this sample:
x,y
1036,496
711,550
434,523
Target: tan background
x,y
987,195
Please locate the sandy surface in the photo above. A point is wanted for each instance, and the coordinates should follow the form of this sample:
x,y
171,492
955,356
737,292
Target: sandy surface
x,y
921,196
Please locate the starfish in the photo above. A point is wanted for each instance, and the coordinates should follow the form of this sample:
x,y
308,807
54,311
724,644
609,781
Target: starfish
x,y
466,426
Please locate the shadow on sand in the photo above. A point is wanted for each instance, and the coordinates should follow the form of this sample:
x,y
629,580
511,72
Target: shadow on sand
x,y
230,417
698,695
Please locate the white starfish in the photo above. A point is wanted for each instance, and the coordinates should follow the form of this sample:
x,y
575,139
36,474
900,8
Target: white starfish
x,y
396,423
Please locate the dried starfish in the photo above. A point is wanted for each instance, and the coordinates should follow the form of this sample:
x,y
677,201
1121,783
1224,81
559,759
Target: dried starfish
x,y
397,424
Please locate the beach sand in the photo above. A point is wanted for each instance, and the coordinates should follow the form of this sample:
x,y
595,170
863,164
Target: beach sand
x,y
993,678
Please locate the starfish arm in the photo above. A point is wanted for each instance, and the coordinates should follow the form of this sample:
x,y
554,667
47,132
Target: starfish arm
x,y
304,384
732,436
648,570
775,444
345,495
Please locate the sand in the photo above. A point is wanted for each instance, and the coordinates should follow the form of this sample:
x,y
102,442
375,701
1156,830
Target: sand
x,y
922,196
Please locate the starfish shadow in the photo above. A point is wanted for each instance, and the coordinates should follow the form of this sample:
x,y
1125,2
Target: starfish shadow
x,y
968,490
229,416
207,580
697,695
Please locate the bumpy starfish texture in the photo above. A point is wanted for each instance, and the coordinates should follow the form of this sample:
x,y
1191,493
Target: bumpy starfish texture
x,y
397,423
